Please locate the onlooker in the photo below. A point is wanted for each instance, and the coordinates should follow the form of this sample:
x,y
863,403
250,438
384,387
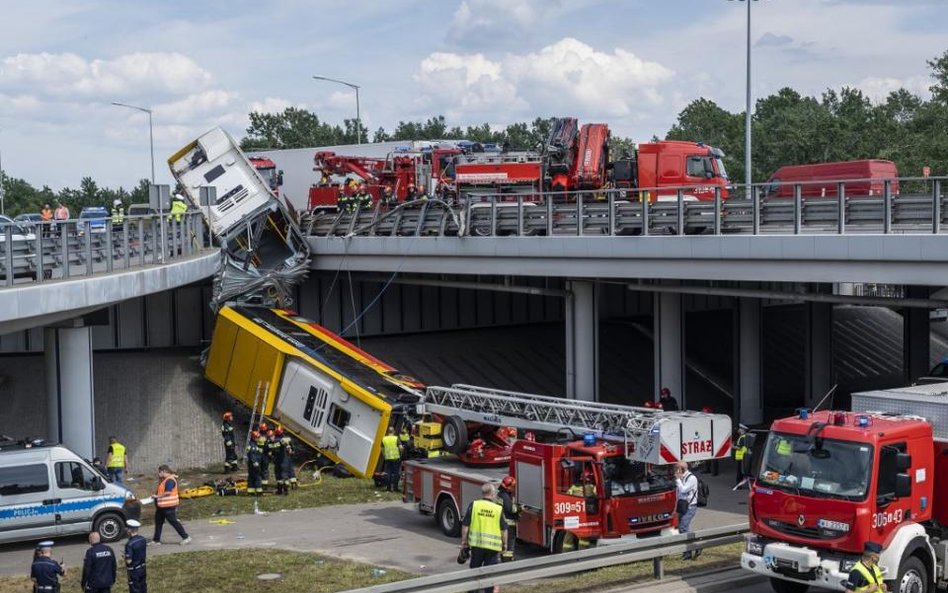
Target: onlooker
x,y
135,552
669,403
61,215
45,571
98,568
484,530
687,505
116,462
166,505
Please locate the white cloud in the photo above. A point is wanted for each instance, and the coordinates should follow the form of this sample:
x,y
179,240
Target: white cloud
x,y
272,105
497,20
878,89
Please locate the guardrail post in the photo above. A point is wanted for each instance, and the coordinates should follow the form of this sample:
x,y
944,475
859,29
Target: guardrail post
x,y
717,210
797,208
40,264
519,215
64,247
141,241
611,198
755,209
658,568
681,212
644,197
466,221
886,206
110,251
8,253
579,215
125,254
88,247
936,206
841,208
549,215
155,256
493,215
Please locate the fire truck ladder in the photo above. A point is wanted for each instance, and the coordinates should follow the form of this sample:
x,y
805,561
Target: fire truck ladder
x,y
526,411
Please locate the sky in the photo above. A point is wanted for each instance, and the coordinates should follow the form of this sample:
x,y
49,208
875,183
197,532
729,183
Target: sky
x,y
633,64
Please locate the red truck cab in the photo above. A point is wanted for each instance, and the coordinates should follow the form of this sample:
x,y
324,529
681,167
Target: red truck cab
x,y
661,168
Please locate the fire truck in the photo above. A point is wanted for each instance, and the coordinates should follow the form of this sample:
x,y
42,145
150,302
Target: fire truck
x,y
592,473
660,168
830,481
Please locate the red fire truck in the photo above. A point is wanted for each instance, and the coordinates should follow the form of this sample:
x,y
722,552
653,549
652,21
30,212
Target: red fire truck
x,y
594,472
830,481
660,168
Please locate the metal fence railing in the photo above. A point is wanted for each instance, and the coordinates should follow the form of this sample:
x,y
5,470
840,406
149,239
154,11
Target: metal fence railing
x,y
852,206
654,549
47,251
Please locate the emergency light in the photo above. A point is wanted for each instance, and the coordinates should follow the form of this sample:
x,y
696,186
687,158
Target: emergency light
x,y
863,421
804,413
589,439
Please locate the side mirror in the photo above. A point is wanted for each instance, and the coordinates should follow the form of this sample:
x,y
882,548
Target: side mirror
x,y
903,461
903,485
97,483
750,439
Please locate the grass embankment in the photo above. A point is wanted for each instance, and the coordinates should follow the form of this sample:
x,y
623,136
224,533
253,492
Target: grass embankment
x,y
325,491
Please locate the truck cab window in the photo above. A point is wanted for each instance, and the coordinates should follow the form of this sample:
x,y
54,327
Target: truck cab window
x,y
71,474
885,487
696,166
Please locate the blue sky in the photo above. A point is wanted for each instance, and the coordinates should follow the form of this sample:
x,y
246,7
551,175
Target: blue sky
x,y
631,63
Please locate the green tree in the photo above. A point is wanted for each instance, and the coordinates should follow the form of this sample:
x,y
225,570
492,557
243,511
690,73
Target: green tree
x,y
294,128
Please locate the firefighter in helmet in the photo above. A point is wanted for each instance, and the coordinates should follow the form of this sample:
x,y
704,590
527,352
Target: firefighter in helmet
x,y
230,443
511,513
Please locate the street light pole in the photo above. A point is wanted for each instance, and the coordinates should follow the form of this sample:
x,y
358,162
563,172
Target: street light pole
x,y
358,114
747,113
151,148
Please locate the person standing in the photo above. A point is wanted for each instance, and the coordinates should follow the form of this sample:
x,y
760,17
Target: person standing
x,y
687,505
116,462
866,576
740,449
254,462
98,567
178,206
45,571
135,552
166,505
669,403
275,451
511,514
285,463
61,215
392,459
484,531
230,443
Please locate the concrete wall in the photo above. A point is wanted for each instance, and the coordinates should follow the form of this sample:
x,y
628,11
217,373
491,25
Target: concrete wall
x,y
156,402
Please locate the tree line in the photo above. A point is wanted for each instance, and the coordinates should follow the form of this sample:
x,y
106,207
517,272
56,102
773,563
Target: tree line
x,y
787,127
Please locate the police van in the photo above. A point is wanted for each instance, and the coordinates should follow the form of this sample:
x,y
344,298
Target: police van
x,y
46,491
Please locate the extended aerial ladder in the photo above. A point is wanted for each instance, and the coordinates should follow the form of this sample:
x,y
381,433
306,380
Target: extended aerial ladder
x,y
649,435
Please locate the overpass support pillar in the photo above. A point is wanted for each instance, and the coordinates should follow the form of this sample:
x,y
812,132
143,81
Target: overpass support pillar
x,y
582,340
71,418
669,332
749,405
819,352
916,338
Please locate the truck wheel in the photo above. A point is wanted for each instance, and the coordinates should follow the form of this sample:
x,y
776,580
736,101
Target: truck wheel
x,y
110,527
913,577
448,518
565,541
454,434
782,586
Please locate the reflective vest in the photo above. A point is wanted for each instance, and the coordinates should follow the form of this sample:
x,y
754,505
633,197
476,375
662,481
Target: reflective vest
x,y
117,215
118,455
404,436
390,447
178,207
739,448
784,447
872,575
164,498
484,531
46,214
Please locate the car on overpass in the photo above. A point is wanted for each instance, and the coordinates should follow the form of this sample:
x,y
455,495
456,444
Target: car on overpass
x,y
96,218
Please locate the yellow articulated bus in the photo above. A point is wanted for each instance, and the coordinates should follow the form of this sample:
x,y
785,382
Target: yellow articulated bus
x,y
334,396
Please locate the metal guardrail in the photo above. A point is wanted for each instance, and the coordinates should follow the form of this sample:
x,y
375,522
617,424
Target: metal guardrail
x,y
46,251
654,549
677,211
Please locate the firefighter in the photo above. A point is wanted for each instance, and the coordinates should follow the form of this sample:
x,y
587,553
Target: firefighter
x,y
392,456
363,199
667,400
289,476
254,459
389,200
263,441
230,448
118,213
412,193
275,452
404,440
511,514
178,207
342,200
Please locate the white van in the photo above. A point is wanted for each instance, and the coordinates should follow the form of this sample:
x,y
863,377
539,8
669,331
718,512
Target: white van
x,y
48,491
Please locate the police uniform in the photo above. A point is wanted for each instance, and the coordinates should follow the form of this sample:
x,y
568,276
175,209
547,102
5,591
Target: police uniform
x,y
862,577
135,551
98,569
230,449
45,571
485,522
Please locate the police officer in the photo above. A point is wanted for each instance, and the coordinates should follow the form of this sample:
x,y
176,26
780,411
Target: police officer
x,y
255,456
511,514
45,571
866,576
118,213
484,530
275,452
740,449
98,567
392,457
178,206
135,549
230,447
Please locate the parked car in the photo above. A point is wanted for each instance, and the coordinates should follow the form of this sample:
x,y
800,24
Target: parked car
x,y
20,232
28,220
96,218
141,210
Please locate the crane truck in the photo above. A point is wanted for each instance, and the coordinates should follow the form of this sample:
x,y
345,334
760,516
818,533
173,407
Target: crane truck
x,y
592,473
830,481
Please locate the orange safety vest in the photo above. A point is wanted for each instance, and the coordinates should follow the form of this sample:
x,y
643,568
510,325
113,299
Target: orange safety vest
x,y
170,499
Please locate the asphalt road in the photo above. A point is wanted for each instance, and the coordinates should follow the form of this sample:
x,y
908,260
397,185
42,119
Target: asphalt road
x,y
386,534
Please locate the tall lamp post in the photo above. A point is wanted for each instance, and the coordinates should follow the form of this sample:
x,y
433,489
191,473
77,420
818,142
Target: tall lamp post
x,y
747,108
356,88
151,146
3,194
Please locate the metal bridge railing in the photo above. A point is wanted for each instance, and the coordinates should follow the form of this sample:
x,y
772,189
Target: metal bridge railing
x,y
45,251
654,549
851,206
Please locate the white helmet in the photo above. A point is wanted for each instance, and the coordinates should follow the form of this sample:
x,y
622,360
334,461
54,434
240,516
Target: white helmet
x,y
116,202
